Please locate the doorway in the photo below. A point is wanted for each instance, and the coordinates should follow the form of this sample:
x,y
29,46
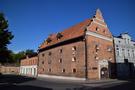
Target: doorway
x,y
104,73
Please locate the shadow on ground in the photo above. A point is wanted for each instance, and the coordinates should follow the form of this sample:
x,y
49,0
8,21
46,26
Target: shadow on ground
x,y
129,85
21,87
11,82
10,79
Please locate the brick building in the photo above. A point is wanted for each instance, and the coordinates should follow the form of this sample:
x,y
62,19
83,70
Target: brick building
x,y
9,69
28,66
83,51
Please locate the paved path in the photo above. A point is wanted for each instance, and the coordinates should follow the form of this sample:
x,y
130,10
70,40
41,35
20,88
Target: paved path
x,y
13,82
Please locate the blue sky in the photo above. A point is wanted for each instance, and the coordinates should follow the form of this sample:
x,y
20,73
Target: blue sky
x,y
31,21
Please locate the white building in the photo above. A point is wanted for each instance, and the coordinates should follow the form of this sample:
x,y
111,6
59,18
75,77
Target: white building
x,y
28,66
125,55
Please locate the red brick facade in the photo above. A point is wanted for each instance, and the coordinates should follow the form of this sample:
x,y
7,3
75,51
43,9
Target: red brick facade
x,y
63,60
84,50
29,61
28,66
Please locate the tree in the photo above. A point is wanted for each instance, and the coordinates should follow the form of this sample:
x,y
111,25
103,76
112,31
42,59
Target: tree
x,y
5,38
29,52
16,57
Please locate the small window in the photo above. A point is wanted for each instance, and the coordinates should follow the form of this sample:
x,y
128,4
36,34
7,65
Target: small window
x,y
50,54
49,70
96,57
94,68
104,31
129,54
42,62
74,48
60,50
43,55
97,47
60,60
97,29
110,58
117,48
119,41
63,70
110,48
43,69
59,36
74,70
74,59
48,40
118,53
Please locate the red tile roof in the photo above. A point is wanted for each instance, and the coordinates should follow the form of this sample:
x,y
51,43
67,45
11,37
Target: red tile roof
x,y
70,33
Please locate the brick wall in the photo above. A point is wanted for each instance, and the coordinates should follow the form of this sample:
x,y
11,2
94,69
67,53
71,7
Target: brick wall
x,y
66,60
29,61
9,70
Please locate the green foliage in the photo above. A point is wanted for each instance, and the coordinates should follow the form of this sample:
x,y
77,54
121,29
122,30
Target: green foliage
x,y
5,37
16,57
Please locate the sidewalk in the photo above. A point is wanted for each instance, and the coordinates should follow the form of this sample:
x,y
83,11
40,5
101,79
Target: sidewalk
x,y
100,81
105,81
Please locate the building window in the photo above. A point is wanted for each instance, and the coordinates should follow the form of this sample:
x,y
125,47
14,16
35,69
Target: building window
x,y
48,40
43,55
110,58
74,48
63,70
97,47
42,62
117,48
60,50
49,53
119,41
97,29
74,70
74,59
49,70
129,54
96,57
109,49
118,53
43,69
104,31
60,60
133,53
59,36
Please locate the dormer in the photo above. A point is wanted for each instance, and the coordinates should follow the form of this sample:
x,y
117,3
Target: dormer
x,y
59,36
48,40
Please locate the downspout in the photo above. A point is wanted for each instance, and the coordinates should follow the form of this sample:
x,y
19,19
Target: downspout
x,y
86,58
115,63
37,63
